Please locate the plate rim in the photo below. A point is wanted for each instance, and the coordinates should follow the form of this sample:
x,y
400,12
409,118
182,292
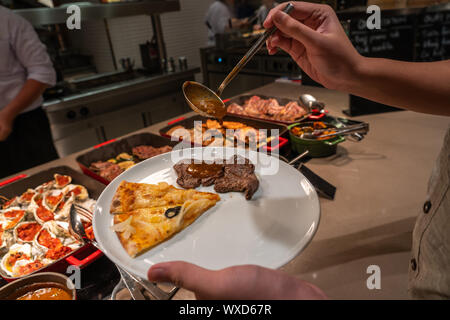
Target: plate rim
x,y
119,263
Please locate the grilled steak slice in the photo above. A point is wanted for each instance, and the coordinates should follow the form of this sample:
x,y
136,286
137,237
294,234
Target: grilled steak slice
x,y
247,183
235,108
146,152
100,165
187,181
112,172
236,175
239,176
106,170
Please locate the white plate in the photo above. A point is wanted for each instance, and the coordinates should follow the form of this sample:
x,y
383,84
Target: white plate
x,y
269,230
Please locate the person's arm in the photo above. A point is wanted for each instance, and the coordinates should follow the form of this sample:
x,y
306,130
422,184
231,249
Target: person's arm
x,y
30,91
422,87
235,283
32,54
315,39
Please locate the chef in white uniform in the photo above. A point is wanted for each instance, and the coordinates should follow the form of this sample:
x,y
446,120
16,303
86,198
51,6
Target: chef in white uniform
x,y
263,11
25,72
220,18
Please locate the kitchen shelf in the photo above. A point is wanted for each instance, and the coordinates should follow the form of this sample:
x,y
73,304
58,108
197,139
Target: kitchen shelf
x,y
96,11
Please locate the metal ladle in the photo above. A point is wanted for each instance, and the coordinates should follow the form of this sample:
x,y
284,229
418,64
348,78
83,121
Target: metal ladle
x,y
208,103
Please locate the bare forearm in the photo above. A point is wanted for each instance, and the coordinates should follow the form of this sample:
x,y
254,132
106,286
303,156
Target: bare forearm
x,y
30,91
422,87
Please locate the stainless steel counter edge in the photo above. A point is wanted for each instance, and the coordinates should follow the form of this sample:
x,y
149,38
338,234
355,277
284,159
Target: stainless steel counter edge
x,y
75,99
95,11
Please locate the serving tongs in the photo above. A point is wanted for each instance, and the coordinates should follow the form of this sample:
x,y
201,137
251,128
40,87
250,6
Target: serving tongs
x,y
309,101
362,128
135,285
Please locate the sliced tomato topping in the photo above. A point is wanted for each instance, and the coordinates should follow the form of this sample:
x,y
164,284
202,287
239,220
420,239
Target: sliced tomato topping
x,y
62,180
17,215
28,231
39,201
45,239
90,233
12,223
26,197
76,191
8,203
14,213
44,214
13,258
30,267
58,252
53,200
61,205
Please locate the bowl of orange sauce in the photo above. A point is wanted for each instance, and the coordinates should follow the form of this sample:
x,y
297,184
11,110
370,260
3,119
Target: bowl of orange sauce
x,y
40,286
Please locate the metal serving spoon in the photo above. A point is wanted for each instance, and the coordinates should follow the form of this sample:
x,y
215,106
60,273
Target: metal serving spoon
x,y
133,284
76,229
207,102
311,102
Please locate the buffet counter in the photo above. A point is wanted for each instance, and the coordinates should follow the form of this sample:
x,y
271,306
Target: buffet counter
x,y
381,186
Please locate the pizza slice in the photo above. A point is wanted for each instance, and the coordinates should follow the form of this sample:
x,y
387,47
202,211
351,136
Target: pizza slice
x,y
146,215
130,196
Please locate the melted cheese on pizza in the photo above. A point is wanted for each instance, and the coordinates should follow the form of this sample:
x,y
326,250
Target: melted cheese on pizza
x,y
131,196
141,221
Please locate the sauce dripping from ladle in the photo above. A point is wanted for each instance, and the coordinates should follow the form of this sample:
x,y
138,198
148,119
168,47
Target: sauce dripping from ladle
x,y
207,102
203,100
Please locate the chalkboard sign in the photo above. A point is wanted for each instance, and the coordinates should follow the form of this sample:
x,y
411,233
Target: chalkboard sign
x,y
395,39
433,36
408,35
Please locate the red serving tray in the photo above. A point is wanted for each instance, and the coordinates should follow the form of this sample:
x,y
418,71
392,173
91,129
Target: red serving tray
x,y
311,115
188,123
15,186
113,148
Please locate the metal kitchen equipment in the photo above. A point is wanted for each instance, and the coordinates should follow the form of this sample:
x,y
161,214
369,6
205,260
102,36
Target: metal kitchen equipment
x,y
86,112
311,102
249,55
133,284
127,64
76,229
98,114
150,56
201,91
